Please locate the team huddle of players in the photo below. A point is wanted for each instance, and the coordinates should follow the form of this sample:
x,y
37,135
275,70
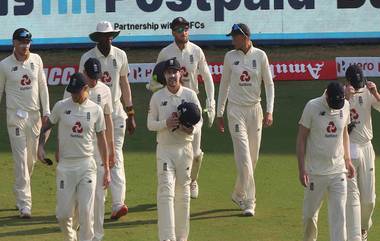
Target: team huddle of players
x,y
97,109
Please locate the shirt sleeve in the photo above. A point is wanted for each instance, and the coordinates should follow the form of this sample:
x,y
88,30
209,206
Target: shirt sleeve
x,y
375,103
108,109
81,63
55,113
2,81
100,124
348,112
268,83
43,89
124,71
153,122
204,71
224,87
306,118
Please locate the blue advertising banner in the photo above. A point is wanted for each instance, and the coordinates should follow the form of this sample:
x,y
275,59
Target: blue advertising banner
x,y
55,22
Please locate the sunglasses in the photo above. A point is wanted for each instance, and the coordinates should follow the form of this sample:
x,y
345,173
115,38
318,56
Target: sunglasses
x,y
236,27
181,29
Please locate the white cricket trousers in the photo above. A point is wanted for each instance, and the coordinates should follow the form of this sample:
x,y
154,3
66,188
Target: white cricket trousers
x,y
23,135
361,195
76,181
100,198
173,192
118,183
335,186
245,125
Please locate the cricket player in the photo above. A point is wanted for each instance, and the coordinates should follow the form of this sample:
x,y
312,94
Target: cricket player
x,y
193,63
115,69
363,96
174,154
23,79
80,122
244,69
101,95
323,153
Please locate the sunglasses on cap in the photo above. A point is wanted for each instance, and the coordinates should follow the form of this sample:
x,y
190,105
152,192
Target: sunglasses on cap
x,y
181,29
236,27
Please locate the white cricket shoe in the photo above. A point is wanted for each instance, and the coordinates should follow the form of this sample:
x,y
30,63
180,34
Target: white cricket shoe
x,y
249,211
194,190
25,213
239,202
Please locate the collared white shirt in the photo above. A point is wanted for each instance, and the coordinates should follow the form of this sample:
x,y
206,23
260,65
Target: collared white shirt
x,y
113,66
101,95
242,77
193,63
162,105
77,127
24,84
324,145
361,106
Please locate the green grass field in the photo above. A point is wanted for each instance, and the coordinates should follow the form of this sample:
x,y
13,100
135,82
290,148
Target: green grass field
x,y
213,216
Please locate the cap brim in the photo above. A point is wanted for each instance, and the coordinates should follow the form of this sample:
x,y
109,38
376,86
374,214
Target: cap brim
x,y
180,24
95,35
73,90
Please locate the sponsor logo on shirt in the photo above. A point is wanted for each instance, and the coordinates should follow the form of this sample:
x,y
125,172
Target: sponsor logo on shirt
x,y
354,116
191,59
331,130
25,83
114,63
254,64
68,112
99,99
32,66
106,78
77,130
245,79
184,72
164,103
236,62
15,68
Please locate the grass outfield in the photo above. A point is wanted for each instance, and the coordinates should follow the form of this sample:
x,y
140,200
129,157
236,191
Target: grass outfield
x,y
213,216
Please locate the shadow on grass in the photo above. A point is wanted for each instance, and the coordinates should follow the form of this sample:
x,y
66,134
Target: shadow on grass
x,y
210,214
15,221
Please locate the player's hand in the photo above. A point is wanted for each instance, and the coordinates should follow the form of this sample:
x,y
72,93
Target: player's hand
x,y
111,159
106,178
210,110
349,91
44,119
220,124
373,89
187,130
304,178
268,119
131,124
351,169
172,122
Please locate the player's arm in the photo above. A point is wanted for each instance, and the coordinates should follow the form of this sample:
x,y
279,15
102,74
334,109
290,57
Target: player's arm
x,y
43,92
100,128
204,71
153,122
303,133
126,96
347,155
109,139
44,135
269,91
375,95
223,92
